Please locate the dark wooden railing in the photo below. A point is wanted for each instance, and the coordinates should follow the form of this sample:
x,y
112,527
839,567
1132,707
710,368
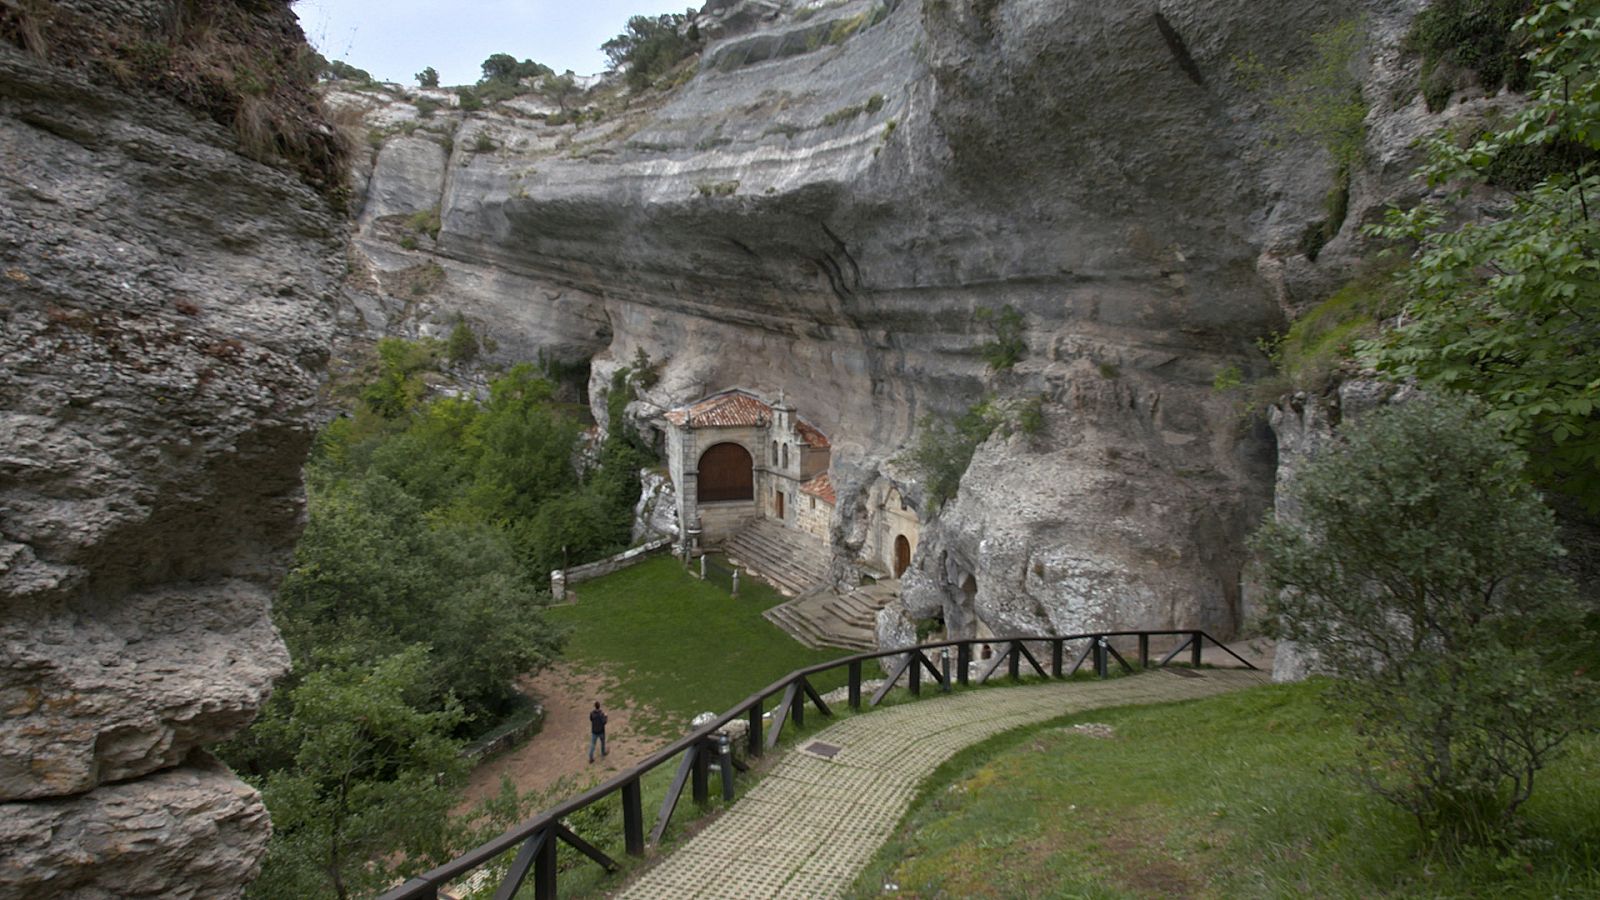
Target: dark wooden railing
x,y
536,839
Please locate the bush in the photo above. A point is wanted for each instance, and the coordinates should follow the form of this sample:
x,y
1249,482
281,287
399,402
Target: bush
x,y
504,68
1008,347
650,47
1476,35
945,447
462,345
1420,569
428,78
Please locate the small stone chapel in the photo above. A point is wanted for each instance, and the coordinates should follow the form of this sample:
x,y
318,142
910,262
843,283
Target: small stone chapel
x,y
734,459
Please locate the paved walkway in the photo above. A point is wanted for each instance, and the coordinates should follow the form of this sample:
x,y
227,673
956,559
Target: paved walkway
x,y
808,828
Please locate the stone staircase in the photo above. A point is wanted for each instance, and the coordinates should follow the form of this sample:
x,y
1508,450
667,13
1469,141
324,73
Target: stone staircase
x,y
790,560
834,617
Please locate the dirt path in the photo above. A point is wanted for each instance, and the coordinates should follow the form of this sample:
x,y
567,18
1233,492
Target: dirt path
x,y
561,748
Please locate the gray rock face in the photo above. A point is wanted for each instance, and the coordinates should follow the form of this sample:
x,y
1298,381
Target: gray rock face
x,y
825,206
193,831
166,309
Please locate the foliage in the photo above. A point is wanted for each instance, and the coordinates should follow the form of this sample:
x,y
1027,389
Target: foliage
x,y
1008,327
366,798
462,345
1454,35
428,78
339,70
1226,796
650,47
1321,100
846,113
562,88
244,66
504,68
469,99
426,221
399,385
1508,308
945,447
1420,570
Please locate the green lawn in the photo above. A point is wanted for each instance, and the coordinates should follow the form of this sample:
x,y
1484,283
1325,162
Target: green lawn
x,y
680,646
1234,796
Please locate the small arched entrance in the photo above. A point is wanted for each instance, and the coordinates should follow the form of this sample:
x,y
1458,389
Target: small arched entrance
x,y
726,473
902,555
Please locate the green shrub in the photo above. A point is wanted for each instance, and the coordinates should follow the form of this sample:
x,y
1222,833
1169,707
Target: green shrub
x,y
945,447
428,78
469,99
1475,35
651,46
1008,347
462,345
483,143
426,106
1421,568
427,222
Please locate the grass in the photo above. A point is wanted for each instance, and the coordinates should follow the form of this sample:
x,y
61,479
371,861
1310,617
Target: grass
x,y
679,646
1233,796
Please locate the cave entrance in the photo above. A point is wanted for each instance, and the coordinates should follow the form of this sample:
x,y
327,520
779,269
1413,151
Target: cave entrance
x,y
902,555
726,473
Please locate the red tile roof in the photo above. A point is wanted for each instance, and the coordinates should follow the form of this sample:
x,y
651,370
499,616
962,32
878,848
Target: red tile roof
x,y
820,486
735,408
809,435
729,409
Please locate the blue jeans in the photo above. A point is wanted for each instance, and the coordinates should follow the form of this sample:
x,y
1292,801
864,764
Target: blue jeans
x,y
597,739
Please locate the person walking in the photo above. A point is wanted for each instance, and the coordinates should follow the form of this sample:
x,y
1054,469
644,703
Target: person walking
x,y
597,731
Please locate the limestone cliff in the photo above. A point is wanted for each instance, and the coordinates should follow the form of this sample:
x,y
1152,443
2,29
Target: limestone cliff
x,y
826,203
165,311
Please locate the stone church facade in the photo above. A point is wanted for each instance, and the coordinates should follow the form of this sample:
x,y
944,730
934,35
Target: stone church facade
x,y
735,458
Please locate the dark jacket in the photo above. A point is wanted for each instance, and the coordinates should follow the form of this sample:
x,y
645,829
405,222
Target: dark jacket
x,y
597,722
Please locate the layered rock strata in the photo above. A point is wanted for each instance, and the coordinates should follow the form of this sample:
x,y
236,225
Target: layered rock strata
x,y
827,203
165,311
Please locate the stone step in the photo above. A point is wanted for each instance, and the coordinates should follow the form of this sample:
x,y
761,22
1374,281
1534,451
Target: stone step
x,y
756,547
783,618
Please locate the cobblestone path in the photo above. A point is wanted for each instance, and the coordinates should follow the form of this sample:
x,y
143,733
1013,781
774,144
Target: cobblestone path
x,y
812,823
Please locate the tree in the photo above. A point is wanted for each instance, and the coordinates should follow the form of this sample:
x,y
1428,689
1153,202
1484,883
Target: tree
x,y
428,78
368,797
649,47
1420,569
562,88
1508,308
503,67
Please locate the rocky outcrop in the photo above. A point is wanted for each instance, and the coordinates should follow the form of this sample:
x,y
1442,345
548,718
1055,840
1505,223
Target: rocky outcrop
x,y
167,305
825,206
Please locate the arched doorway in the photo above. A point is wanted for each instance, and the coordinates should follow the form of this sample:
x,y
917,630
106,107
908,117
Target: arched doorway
x,y
902,555
726,473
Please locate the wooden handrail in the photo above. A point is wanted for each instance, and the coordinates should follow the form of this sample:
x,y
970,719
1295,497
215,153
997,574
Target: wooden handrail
x,y
546,827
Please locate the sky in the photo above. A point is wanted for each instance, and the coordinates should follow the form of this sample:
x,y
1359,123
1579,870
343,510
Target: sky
x,y
395,39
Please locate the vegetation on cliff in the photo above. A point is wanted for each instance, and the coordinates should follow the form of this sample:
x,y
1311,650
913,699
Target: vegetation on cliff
x,y
1507,309
245,65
